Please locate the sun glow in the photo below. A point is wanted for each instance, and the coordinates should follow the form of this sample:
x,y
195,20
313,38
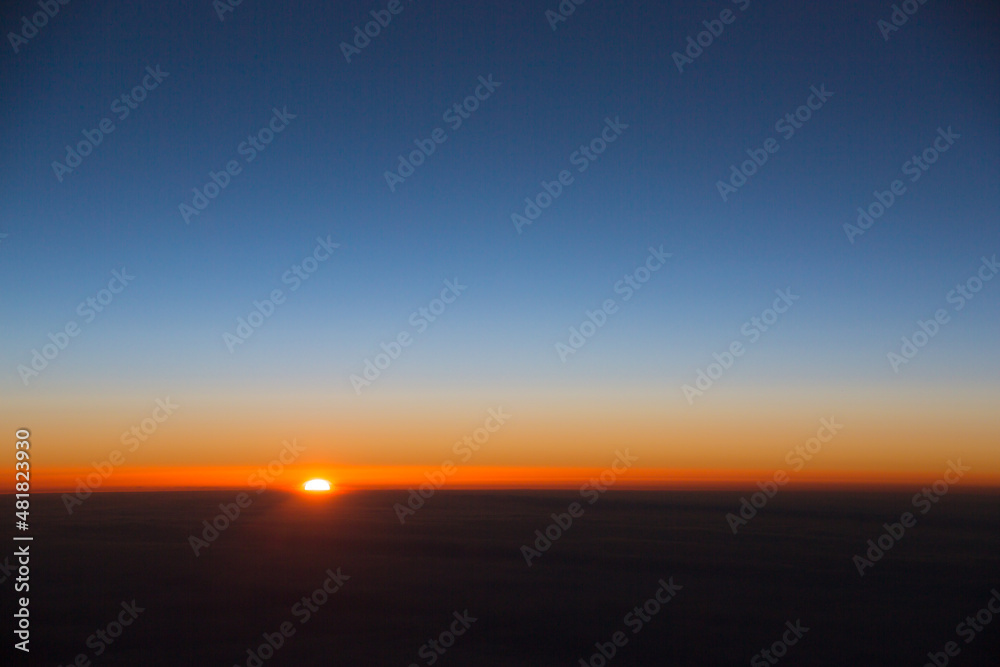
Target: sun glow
x,y
317,485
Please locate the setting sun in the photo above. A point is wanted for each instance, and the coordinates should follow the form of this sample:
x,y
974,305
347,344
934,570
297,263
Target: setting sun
x,y
317,485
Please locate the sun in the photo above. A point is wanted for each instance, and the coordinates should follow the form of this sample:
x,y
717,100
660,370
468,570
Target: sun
x,y
317,485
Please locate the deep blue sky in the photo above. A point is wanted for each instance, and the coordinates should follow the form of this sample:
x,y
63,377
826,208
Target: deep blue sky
x,y
656,185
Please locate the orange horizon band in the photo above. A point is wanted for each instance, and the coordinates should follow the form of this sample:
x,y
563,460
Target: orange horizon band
x,y
67,480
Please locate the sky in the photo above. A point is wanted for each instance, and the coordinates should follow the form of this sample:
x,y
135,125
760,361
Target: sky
x,y
309,118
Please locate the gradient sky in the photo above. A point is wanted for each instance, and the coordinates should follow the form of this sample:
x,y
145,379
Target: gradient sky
x,y
323,176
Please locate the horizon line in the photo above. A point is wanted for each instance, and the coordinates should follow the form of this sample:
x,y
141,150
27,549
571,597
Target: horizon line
x,y
403,477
